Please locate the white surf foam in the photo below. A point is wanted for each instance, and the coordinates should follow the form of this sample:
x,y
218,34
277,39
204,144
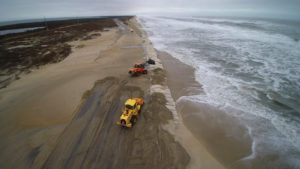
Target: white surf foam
x,y
270,60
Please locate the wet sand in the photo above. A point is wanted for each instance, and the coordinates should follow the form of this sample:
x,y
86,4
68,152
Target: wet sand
x,y
199,156
211,127
64,115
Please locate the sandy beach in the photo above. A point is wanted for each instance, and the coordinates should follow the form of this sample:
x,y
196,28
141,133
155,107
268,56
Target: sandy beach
x,y
63,115
216,146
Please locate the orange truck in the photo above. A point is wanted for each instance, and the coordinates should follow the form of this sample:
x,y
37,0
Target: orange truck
x,y
138,69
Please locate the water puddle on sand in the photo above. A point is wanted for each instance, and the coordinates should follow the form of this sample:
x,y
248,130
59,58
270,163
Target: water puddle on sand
x,y
11,31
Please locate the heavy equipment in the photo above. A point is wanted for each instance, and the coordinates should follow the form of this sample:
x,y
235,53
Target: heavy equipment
x,y
138,69
130,112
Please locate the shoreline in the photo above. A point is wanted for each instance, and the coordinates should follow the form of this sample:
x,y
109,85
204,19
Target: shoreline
x,y
246,118
181,83
227,138
199,118
51,102
200,157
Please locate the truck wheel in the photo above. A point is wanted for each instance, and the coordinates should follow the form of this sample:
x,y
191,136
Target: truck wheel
x,y
145,72
133,120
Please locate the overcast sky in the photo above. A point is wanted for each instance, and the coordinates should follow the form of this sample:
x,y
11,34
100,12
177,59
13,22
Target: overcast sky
x,y
26,9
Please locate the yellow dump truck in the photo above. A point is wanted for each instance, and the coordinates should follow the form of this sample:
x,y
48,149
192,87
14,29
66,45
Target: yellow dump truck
x,y
131,112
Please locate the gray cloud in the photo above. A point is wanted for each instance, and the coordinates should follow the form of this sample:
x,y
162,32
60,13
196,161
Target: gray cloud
x,y
22,9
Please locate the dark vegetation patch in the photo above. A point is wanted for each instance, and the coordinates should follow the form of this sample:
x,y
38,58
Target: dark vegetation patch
x,y
22,52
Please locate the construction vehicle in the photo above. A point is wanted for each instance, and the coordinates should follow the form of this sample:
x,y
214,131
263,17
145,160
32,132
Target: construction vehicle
x,y
131,112
138,69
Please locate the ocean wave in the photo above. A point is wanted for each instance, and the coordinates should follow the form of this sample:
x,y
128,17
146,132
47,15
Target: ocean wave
x,y
252,66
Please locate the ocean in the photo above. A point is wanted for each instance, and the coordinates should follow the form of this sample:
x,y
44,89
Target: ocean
x,y
250,71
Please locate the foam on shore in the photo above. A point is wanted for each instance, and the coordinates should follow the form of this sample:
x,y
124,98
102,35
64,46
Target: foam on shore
x,y
200,157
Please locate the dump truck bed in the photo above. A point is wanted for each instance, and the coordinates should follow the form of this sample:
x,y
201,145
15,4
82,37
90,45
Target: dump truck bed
x,y
140,101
